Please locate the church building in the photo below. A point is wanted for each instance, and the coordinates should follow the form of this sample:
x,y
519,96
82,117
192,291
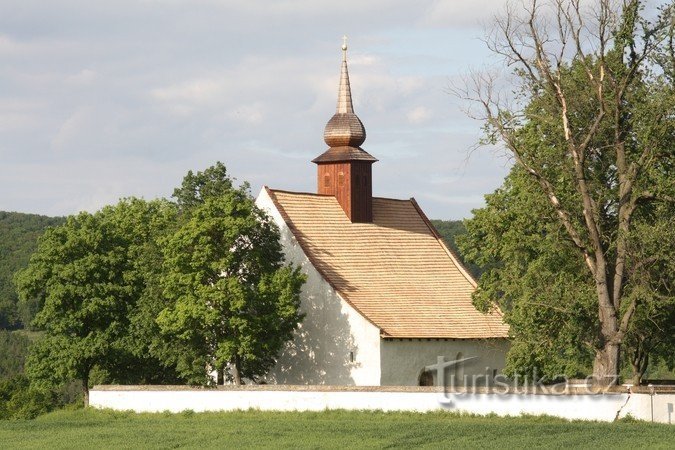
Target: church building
x,y
384,296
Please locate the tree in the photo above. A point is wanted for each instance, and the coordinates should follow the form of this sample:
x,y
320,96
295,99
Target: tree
x,y
591,124
531,271
233,303
86,276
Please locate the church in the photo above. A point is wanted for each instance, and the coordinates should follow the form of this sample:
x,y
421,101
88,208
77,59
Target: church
x,y
385,297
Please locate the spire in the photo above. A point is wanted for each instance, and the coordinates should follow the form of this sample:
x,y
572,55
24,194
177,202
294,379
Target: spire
x,y
344,129
344,103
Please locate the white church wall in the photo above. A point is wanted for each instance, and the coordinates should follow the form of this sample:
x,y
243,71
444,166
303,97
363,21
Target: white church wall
x,y
335,345
403,360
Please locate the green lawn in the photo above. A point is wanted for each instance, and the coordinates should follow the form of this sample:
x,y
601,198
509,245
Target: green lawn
x,y
332,429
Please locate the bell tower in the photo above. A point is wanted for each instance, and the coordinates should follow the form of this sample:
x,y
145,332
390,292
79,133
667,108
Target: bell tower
x,y
345,169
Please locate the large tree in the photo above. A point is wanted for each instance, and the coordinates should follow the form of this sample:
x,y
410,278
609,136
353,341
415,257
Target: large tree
x,y
590,121
87,278
233,304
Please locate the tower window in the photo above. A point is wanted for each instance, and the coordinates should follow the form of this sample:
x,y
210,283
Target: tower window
x,y
326,180
341,178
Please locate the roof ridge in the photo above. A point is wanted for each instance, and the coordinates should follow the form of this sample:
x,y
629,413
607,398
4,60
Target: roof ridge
x,y
285,191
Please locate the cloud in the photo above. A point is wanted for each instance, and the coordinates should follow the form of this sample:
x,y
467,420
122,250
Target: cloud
x,y
107,99
451,13
419,114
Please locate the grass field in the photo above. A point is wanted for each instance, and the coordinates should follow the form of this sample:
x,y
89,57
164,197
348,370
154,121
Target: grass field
x,y
331,429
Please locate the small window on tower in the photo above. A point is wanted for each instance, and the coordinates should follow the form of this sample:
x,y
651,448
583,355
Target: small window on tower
x,y
341,178
326,180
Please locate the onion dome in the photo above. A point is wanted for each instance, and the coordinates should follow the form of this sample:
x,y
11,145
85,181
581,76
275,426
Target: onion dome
x,y
344,132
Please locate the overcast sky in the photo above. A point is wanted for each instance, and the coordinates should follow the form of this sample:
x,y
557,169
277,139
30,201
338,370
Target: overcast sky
x,y
102,100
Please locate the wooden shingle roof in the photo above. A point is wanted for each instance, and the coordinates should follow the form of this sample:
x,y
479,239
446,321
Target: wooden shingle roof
x,y
395,271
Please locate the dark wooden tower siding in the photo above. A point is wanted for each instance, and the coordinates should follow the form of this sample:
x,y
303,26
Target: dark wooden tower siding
x,y
351,183
345,169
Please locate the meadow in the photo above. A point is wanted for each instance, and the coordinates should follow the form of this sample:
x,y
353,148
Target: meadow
x,y
328,429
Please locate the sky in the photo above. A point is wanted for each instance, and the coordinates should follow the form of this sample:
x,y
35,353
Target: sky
x,y
104,100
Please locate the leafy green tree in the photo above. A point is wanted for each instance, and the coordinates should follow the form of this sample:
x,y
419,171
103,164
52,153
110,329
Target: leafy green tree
x,y
86,276
233,303
591,125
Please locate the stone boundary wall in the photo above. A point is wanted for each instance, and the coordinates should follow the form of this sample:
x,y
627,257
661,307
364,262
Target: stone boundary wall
x,y
578,403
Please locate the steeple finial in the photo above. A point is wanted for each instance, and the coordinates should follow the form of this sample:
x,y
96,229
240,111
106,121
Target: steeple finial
x,y
344,128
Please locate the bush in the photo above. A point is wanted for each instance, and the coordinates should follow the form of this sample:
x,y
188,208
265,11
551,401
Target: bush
x,y
18,400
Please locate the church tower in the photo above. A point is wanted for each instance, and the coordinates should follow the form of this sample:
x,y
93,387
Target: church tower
x,y
345,169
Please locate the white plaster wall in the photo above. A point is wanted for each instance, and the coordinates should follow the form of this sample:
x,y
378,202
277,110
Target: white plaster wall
x,y
404,360
320,350
585,407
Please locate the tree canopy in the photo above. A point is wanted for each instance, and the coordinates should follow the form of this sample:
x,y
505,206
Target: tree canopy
x,y
161,291
232,302
591,131
86,276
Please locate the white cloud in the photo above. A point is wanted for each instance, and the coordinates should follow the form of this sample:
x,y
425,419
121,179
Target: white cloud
x,y
71,128
419,114
449,13
83,77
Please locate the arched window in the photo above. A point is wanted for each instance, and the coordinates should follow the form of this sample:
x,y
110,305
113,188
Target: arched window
x,y
426,378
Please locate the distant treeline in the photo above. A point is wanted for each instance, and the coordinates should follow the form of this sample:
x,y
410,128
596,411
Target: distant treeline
x,y
449,231
18,240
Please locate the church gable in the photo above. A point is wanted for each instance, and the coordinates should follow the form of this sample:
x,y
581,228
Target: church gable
x,y
395,270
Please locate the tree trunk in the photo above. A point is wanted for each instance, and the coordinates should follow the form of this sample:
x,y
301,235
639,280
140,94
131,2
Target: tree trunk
x,y
639,364
85,389
606,365
236,370
220,376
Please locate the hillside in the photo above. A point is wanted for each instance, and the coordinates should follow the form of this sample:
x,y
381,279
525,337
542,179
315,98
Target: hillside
x,y
18,239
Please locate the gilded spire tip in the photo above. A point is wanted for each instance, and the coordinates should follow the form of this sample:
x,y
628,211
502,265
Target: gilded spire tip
x,y
344,43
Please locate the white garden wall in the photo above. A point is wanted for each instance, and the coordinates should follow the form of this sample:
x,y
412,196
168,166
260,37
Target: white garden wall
x,y
603,407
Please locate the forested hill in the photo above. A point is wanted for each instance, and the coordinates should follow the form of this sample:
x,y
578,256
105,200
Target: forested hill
x,y
18,239
449,230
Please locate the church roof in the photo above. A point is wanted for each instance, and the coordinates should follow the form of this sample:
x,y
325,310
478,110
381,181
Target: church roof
x,y
395,271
